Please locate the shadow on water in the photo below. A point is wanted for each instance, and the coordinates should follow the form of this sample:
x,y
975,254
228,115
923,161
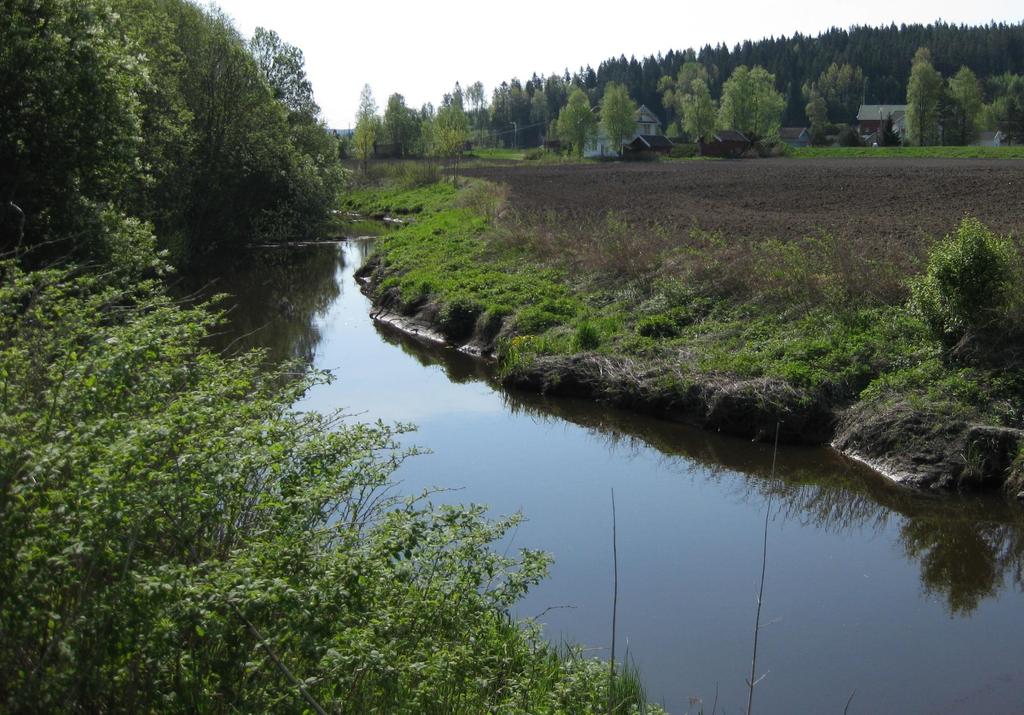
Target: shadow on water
x,y
967,547
274,296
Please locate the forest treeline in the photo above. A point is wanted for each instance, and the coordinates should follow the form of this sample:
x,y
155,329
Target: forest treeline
x,y
160,112
881,57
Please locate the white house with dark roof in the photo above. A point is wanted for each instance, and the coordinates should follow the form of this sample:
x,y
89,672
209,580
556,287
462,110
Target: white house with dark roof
x,y
647,124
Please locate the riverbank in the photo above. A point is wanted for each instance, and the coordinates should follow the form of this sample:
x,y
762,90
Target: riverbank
x,y
654,331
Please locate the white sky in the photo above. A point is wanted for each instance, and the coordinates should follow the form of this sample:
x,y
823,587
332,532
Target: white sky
x,y
421,49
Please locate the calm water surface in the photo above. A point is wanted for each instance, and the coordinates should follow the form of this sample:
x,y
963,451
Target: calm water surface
x,y
912,601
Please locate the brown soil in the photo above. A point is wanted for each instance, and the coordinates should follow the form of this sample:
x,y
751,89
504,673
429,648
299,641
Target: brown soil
x,y
899,199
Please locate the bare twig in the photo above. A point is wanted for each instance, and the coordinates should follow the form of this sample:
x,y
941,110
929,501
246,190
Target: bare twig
x,y
306,695
754,680
850,700
615,602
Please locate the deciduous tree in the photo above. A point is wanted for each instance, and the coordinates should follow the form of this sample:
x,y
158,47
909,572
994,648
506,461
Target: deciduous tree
x,y
699,111
618,114
923,94
576,122
751,104
367,127
965,102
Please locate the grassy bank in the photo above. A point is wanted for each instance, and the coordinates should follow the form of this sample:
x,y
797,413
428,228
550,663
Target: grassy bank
x,y
734,335
910,152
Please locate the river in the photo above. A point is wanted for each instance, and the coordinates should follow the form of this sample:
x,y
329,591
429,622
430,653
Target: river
x,y
911,603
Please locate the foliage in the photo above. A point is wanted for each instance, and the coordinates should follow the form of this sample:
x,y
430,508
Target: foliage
x,y
699,112
174,536
368,127
965,99
751,104
972,278
849,137
154,109
576,123
69,120
401,124
923,93
842,89
451,131
618,115
682,150
818,117
283,66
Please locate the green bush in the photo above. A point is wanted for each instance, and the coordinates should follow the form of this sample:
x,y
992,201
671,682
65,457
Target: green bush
x,y
657,326
968,287
587,337
683,151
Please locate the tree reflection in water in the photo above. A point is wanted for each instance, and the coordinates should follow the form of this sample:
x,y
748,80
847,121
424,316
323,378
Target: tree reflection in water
x,y
967,547
275,295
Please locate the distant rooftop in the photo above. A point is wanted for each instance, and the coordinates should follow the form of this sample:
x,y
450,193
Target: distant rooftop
x,y
880,111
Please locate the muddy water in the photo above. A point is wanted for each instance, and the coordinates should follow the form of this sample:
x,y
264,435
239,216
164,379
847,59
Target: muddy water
x,y
913,603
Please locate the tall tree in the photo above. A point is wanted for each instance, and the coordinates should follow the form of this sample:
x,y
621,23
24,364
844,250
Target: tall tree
x,y
69,127
751,104
965,102
450,132
618,114
283,66
817,115
400,124
367,127
923,94
576,122
842,88
699,111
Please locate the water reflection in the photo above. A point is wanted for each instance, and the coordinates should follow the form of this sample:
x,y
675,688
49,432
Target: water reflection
x,y
275,296
967,548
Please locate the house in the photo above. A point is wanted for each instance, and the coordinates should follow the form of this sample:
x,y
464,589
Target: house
x,y
654,143
990,139
872,117
647,124
726,144
795,136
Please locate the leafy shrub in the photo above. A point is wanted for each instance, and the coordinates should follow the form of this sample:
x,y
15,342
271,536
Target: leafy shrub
x,y
534,154
170,509
657,326
683,151
849,137
968,286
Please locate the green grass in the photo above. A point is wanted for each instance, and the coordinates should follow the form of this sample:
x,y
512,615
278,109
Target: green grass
x,y
912,152
506,154
394,200
797,317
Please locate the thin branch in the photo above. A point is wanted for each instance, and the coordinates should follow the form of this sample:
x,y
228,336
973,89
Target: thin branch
x,y
307,696
754,680
615,602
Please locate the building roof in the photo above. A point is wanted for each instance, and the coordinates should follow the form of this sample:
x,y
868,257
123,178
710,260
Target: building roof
x,y
730,135
653,141
791,132
643,114
870,112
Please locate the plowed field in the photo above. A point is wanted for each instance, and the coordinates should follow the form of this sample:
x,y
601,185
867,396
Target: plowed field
x,y
893,199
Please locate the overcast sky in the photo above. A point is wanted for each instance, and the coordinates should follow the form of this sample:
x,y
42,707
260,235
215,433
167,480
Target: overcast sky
x,y
421,49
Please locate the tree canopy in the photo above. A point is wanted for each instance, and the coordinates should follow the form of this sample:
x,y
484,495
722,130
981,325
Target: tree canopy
x,y
751,104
